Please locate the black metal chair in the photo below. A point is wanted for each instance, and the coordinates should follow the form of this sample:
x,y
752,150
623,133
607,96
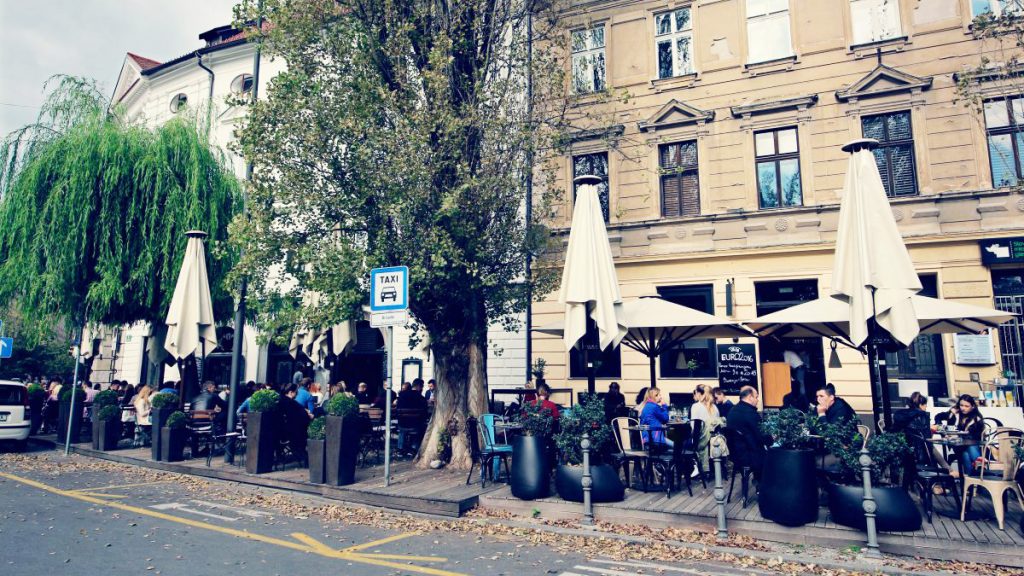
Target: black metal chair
x,y
928,473
690,447
483,456
740,459
675,464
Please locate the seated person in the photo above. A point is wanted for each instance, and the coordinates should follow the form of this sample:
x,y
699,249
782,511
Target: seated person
x,y
294,421
745,419
410,399
543,400
614,402
723,403
208,399
832,408
914,418
971,422
655,415
363,394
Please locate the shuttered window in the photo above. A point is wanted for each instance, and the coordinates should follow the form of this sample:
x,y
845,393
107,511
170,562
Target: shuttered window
x,y
680,185
895,153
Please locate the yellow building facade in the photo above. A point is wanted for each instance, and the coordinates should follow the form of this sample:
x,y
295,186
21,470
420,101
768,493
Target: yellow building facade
x,y
720,148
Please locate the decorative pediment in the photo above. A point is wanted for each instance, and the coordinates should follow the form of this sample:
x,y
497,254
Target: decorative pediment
x,y
607,133
798,103
881,81
675,113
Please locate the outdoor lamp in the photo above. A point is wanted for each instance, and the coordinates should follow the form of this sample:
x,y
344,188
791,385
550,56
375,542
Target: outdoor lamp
x,y
833,358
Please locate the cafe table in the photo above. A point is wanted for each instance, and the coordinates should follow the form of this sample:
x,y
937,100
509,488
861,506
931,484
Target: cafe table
x,y
671,429
953,440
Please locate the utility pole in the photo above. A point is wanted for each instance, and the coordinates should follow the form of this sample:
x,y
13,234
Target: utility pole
x,y
529,194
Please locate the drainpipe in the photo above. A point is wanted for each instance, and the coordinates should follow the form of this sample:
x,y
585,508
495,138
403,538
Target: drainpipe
x,y
209,116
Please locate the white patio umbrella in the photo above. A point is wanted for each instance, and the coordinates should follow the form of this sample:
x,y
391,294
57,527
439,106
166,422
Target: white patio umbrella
x,y
589,284
190,322
653,326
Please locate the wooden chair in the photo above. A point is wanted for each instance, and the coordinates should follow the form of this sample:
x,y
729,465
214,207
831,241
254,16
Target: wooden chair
x,y
996,476
201,431
628,454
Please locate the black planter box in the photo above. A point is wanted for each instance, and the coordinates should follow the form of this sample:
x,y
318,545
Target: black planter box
x,y
531,470
315,451
172,442
606,485
157,417
76,422
342,437
895,511
106,434
261,428
35,406
788,493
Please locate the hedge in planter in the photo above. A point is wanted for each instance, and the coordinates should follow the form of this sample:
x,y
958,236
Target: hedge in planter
x,y
36,401
261,428
896,511
342,430
106,421
65,418
173,436
315,443
531,466
163,405
586,417
788,492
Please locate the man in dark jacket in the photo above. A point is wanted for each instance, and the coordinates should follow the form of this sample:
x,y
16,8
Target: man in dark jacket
x,y
833,408
208,398
745,419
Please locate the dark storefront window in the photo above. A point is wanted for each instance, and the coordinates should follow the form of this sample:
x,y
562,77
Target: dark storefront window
x,y
607,363
694,358
1008,286
923,359
775,296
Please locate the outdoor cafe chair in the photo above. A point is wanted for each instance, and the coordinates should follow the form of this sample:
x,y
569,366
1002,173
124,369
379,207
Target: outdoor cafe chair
x,y
928,473
484,456
740,458
678,461
998,475
690,447
628,454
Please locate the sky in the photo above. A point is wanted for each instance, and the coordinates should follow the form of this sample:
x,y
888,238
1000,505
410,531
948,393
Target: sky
x,y
41,38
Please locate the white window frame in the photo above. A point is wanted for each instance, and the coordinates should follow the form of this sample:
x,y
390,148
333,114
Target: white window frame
x,y
775,10
874,21
672,38
589,54
996,7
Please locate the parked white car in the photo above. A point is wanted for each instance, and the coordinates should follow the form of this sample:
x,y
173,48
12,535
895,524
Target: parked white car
x,y
14,415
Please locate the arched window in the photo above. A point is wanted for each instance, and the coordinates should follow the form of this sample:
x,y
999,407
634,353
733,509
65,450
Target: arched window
x,y
242,84
179,103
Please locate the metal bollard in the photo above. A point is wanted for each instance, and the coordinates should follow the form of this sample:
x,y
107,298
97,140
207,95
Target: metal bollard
x,y
717,452
588,506
869,506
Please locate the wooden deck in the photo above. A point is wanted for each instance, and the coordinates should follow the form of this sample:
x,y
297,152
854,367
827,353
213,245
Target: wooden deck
x,y
411,489
978,540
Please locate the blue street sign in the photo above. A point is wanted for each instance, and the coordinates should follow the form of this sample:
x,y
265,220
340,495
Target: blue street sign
x,y
6,347
389,289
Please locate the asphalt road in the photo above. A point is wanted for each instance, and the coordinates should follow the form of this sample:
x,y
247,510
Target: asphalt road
x,y
81,516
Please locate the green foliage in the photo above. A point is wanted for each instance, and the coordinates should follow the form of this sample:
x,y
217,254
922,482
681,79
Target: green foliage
x,y
176,420
104,398
95,209
316,429
46,356
108,412
65,394
539,367
36,391
789,428
342,405
587,416
536,420
159,401
264,401
888,451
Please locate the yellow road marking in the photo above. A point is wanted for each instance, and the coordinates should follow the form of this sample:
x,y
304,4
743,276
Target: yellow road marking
x,y
115,486
308,543
98,495
404,557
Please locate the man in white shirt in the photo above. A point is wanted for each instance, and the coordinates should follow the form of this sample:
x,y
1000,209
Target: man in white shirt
x,y
797,367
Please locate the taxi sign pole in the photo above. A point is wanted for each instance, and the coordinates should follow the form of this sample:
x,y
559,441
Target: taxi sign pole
x,y
387,408
74,387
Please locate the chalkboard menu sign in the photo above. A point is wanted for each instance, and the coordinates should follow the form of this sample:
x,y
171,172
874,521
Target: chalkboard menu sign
x,y
737,367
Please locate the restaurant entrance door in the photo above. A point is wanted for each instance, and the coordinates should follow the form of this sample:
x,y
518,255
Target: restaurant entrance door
x,y
779,295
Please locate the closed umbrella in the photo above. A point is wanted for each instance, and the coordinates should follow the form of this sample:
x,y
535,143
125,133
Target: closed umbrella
x,y
590,287
190,323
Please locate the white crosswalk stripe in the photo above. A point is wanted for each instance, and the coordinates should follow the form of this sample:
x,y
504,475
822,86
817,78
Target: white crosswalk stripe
x,y
604,567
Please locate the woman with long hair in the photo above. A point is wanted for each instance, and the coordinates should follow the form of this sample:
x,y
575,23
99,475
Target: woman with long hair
x,y
705,410
655,416
971,422
641,399
143,409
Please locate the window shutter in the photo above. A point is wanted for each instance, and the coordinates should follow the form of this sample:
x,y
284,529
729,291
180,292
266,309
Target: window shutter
x,y
670,195
690,194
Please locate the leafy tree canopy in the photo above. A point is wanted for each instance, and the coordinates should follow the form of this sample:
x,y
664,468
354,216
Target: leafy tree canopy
x,y
94,210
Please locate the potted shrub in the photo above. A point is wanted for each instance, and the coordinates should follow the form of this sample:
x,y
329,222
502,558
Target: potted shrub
x,y
342,430
315,443
539,367
106,426
586,417
66,419
788,493
163,405
173,436
261,429
896,511
36,401
531,467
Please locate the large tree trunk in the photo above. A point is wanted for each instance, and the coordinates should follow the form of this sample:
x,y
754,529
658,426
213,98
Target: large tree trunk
x,y
461,392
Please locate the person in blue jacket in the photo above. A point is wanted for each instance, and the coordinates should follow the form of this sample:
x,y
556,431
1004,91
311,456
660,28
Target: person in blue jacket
x,y
655,415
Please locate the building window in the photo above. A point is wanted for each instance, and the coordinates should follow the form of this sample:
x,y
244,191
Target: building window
x,y
996,7
593,165
607,363
242,84
680,190
778,168
673,43
895,153
875,20
588,60
768,36
693,358
179,103
1004,123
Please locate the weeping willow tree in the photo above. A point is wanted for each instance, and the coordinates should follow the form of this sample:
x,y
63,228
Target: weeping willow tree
x,y
94,210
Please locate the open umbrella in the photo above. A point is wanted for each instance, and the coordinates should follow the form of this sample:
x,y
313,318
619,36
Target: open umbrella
x,y
590,287
654,326
190,323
